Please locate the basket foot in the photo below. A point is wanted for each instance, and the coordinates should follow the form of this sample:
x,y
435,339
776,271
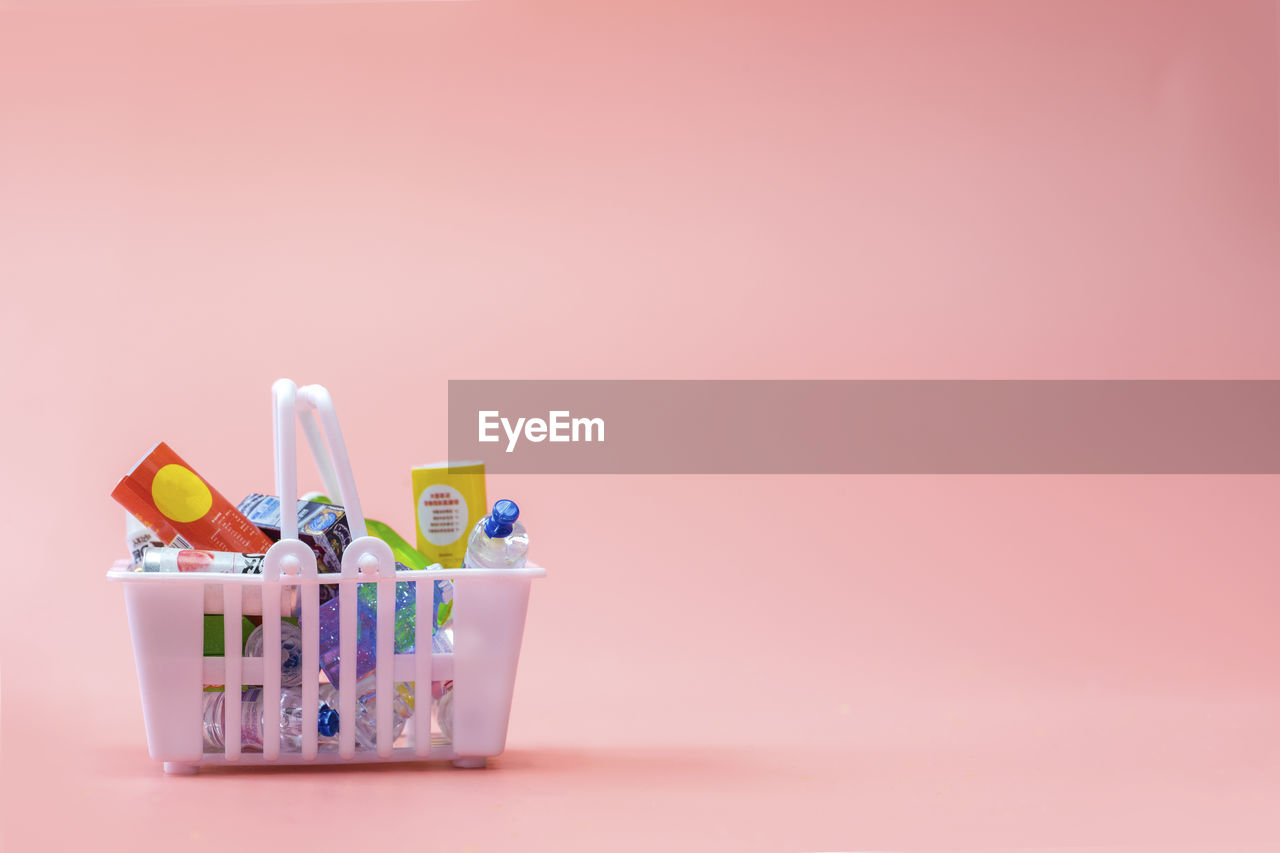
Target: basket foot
x,y
181,768
470,762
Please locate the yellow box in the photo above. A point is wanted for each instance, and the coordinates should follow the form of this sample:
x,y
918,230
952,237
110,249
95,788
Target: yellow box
x,y
448,500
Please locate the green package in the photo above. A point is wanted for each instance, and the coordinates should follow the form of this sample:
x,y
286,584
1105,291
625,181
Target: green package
x,y
215,639
215,636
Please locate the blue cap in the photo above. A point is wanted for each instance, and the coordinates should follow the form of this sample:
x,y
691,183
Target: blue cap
x,y
498,524
328,722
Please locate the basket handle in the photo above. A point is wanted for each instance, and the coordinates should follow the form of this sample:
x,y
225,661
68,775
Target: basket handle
x,y
328,448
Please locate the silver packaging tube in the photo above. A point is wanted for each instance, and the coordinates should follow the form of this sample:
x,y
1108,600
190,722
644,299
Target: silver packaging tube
x,y
188,560
223,562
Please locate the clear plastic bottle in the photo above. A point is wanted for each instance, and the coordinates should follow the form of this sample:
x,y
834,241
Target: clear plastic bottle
x,y
252,720
290,652
498,540
366,658
365,724
444,711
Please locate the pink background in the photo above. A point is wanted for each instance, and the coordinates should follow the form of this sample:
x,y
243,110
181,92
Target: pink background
x,y
194,202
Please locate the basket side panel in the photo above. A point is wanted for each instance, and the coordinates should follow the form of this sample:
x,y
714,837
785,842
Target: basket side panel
x,y
167,628
488,617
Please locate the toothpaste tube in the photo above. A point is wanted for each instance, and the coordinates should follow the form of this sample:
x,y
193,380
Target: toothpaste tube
x,y
222,562
168,496
186,560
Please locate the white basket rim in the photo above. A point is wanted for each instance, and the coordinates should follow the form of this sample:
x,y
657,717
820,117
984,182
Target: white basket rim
x,y
119,571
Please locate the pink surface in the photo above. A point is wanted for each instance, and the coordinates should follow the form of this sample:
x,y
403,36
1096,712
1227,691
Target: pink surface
x,y
195,202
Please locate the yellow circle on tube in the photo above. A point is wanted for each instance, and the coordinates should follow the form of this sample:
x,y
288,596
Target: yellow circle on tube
x,y
180,494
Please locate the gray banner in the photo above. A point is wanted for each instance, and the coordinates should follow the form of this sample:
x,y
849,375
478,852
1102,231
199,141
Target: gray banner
x,y
867,427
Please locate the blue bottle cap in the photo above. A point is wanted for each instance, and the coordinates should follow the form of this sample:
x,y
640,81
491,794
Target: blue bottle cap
x,y
328,722
498,523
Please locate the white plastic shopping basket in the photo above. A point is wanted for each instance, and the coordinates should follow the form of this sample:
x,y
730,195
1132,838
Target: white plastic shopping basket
x,y
166,620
